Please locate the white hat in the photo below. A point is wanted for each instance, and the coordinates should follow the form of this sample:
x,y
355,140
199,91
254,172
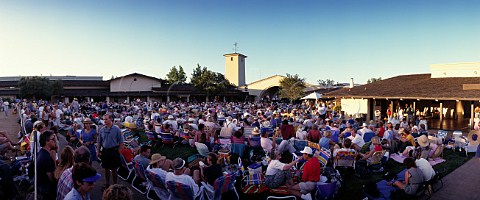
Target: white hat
x,y
170,117
364,124
307,150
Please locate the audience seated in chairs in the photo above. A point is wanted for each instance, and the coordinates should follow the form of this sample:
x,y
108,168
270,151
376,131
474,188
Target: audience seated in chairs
x,y
413,178
377,147
301,134
143,157
357,140
202,136
160,162
326,141
311,174
238,143
278,173
405,140
422,164
180,177
268,144
314,134
346,156
211,170
254,139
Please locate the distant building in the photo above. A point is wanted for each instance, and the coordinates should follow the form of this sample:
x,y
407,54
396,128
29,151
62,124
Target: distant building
x,y
235,68
450,91
125,88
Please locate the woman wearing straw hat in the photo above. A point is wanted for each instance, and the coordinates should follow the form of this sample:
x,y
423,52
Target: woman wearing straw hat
x,y
160,162
88,136
424,146
254,138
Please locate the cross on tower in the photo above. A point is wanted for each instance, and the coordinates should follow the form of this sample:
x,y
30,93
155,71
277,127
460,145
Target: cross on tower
x,y
235,47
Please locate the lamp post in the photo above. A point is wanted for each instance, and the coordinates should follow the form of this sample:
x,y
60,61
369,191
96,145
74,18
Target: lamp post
x,y
130,88
246,90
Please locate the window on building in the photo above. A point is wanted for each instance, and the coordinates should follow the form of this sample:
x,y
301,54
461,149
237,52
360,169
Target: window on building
x,y
231,58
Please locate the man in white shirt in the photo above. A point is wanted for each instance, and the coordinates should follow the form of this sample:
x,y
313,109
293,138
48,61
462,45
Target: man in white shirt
x,y
425,167
180,174
173,123
357,140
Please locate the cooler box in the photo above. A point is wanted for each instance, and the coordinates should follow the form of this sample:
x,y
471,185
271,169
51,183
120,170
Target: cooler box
x,y
255,168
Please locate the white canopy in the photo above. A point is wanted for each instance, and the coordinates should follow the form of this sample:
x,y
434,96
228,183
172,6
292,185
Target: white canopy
x,y
313,95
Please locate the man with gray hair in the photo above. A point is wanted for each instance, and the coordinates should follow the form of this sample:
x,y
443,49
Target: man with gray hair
x,y
181,174
65,183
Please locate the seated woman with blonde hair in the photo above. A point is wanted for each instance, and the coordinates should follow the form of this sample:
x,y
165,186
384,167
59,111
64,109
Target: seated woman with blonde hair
x,y
377,147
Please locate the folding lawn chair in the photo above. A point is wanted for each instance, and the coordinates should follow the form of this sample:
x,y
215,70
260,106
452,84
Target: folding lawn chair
x,y
222,185
167,139
139,174
181,191
345,158
157,184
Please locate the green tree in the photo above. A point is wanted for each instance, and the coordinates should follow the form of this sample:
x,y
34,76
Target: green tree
x,y
371,80
57,87
176,76
291,87
209,81
326,83
35,87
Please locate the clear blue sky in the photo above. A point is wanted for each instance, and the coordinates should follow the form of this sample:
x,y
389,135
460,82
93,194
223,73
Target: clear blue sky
x,y
321,39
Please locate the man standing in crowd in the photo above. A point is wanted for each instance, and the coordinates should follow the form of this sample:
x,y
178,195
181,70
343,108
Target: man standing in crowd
x,y
46,166
110,141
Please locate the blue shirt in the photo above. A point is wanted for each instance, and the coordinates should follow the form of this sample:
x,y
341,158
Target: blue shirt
x,y
88,137
75,195
110,137
324,143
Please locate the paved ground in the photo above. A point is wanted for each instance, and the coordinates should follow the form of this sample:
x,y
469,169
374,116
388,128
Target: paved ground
x,y
461,183
10,125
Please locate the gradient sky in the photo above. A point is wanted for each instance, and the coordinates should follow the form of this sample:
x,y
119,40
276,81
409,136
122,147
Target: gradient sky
x,y
322,39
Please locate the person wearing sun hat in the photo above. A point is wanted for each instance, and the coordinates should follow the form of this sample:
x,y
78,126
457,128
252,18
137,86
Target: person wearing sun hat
x,y
160,162
88,137
84,177
311,174
426,148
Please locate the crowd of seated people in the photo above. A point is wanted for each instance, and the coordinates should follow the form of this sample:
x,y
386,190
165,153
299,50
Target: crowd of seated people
x,y
273,129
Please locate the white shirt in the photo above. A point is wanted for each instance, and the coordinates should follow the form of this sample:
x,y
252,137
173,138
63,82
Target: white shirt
x,y
58,113
301,135
426,168
358,140
173,124
274,167
266,144
184,179
158,171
